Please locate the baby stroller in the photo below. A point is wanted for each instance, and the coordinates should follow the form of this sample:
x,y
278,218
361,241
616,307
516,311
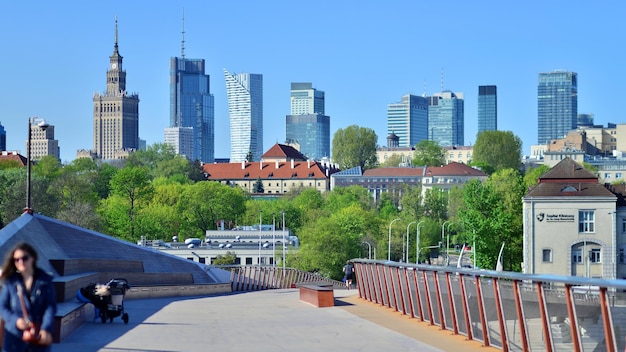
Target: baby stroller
x,y
108,299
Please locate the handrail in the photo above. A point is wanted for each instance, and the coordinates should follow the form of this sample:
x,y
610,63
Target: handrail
x,y
255,277
505,310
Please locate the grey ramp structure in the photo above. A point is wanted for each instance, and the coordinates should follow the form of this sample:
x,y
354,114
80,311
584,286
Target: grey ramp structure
x,y
58,241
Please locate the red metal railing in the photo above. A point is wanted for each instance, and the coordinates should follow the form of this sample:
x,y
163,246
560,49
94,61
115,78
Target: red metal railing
x,y
508,311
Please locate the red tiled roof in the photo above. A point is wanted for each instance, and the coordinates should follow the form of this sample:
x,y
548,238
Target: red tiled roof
x,y
569,189
13,157
281,151
265,170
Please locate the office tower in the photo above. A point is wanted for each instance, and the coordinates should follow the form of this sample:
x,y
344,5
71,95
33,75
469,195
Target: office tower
x,y
245,106
557,105
307,125
487,108
446,118
192,104
42,142
584,120
3,138
181,139
408,120
116,113
306,100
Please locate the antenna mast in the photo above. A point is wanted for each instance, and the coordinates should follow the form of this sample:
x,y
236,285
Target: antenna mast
x,y
442,79
182,46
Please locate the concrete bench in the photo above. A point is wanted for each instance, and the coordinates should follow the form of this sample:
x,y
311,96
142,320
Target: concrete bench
x,y
70,316
319,296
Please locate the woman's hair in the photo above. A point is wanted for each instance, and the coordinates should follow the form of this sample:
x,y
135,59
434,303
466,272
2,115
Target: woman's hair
x,y
9,268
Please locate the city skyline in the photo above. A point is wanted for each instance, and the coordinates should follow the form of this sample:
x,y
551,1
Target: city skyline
x,y
499,44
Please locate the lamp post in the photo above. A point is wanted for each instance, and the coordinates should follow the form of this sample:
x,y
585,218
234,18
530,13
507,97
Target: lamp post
x,y
369,248
43,125
448,243
443,231
260,233
273,240
389,245
284,244
417,242
407,239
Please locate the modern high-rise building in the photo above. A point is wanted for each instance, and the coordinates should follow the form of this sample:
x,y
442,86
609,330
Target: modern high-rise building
x,y
306,100
115,113
584,120
557,105
42,142
192,104
307,125
245,106
181,139
408,120
487,108
3,138
446,118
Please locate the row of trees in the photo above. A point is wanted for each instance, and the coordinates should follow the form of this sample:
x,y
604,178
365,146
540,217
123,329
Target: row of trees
x,y
157,194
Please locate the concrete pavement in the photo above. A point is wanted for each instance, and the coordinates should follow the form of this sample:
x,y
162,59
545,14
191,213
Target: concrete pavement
x,y
271,320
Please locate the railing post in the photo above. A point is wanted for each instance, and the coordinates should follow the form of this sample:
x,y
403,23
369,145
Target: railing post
x,y
503,336
468,323
428,299
545,320
442,318
520,316
455,327
417,295
481,310
573,320
408,288
607,321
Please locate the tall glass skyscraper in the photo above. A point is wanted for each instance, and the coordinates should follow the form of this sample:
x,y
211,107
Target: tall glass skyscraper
x,y
408,120
245,106
307,125
192,105
446,119
487,108
557,105
3,138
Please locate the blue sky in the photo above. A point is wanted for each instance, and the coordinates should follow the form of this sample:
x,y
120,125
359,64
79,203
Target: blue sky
x,y
363,54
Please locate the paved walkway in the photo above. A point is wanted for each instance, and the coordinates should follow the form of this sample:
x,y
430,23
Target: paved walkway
x,y
272,320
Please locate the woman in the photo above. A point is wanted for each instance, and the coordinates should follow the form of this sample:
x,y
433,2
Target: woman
x,y
20,274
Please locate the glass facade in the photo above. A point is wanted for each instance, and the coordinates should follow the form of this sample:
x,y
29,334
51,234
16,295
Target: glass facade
x,y
557,105
446,119
306,100
3,138
408,120
487,108
312,132
245,106
192,105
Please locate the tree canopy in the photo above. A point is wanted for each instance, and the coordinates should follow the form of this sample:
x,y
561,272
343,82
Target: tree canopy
x,y
429,153
355,146
497,150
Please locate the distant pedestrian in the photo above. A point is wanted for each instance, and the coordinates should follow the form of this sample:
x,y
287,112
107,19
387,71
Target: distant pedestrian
x,y
348,270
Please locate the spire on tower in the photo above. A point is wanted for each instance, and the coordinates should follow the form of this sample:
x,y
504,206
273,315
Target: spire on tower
x,y
115,31
182,47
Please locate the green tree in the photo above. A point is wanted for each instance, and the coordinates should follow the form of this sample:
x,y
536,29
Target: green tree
x,y
49,166
258,186
532,176
412,202
355,146
498,149
429,153
394,160
204,203
435,203
228,258
132,185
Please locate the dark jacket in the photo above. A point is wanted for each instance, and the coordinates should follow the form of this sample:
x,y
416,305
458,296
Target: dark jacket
x,y
41,306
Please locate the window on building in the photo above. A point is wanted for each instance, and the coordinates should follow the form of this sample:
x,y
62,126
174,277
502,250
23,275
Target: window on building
x,y
620,256
577,256
607,175
624,225
594,255
547,255
618,175
586,221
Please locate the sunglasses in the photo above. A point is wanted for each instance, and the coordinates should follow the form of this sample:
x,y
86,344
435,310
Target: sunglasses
x,y
23,259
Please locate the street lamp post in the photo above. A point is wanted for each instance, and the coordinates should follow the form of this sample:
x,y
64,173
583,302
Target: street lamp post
x,y
273,240
448,244
284,244
443,231
407,239
369,248
389,244
260,233
43,125
417,242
